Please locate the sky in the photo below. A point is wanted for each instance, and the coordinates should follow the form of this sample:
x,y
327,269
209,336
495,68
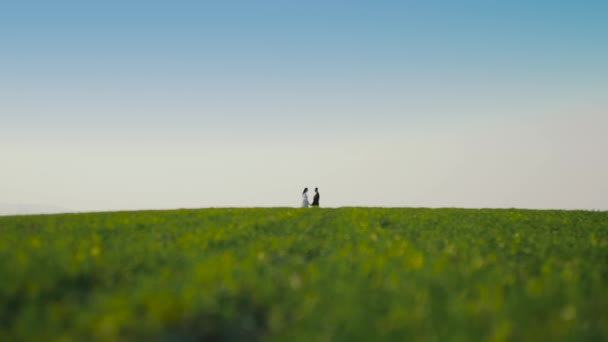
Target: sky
x,y
124,105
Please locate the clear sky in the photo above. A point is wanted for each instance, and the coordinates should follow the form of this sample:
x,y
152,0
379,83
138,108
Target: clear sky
x,y
111,104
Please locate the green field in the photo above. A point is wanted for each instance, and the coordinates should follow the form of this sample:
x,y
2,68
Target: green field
x,y
349,274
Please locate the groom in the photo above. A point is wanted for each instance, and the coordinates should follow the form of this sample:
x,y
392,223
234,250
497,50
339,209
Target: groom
x,y
315,200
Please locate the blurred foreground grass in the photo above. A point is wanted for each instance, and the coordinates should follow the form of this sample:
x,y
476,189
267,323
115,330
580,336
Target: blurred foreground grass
x,y
349,274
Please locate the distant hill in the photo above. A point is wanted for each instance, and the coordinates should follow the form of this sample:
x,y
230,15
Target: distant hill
x,y
29,209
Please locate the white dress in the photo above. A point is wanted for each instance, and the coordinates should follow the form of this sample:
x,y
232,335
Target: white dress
x,y
305,203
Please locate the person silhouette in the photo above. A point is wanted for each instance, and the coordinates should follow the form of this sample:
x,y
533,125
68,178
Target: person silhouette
x,y
305,203
315,200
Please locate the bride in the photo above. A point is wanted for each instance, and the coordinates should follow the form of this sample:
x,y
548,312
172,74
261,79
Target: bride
x,y
305,203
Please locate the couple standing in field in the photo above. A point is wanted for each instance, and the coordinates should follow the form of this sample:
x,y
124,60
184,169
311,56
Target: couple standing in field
x,y
315,200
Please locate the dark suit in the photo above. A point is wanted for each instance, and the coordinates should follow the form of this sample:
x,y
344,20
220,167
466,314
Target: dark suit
x,y
315,200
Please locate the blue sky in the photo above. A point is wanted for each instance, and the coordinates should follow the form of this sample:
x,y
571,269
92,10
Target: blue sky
x,y
262,98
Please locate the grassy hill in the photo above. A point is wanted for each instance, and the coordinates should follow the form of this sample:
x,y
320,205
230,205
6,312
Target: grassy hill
x,y
349,274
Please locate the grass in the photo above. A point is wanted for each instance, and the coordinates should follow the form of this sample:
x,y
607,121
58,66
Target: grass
x,y
348,274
